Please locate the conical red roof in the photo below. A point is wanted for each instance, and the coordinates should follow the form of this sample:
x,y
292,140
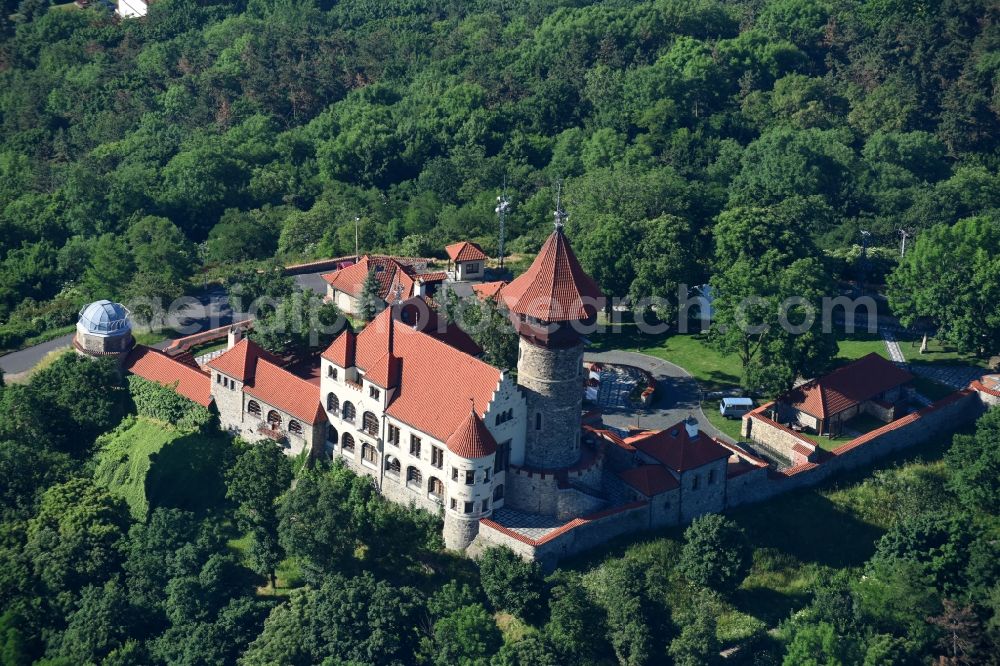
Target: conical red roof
x,y
472,439
555,287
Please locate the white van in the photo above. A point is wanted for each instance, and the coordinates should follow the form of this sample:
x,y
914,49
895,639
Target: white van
x,y
735,408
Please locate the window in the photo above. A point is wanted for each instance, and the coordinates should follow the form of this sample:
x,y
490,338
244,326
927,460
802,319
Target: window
x,y
711,476
470,477
502,457
373,392
347,411
414,477
218,379
435,487
331,434
454,474
274,418
332,403
394,435
347,442
454,504
485,505
392,466
369,454
331,372
696,482
486,475
538,420
468,507
295,427
253,407
369,423
505,416
414,446
498,493
437,457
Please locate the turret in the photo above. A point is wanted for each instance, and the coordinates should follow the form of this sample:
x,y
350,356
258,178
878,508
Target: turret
x,y
551,303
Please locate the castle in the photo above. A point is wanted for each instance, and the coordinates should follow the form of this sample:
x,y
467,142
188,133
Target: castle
x,y
409,403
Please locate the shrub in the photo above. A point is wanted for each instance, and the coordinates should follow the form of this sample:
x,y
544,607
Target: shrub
x,y
159,402
716,553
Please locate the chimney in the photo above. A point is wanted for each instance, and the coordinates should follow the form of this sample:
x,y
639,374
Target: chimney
x,y
691,425
235,335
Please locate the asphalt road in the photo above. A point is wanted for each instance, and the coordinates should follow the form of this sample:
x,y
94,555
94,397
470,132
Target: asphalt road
x,y
677,395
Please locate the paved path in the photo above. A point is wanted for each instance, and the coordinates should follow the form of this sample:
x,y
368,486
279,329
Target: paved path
x,y
677,395
895,353
955,376
17,362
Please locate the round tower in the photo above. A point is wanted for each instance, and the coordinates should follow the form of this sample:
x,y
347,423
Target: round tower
x,y
551,303
103,329
470,489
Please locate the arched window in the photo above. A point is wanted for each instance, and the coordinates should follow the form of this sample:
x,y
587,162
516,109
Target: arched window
x,y
295,427
331,434
392,466
274,418
498,493
347,411
369,454
332,403
435,487
369,423
253,407
414,477
347,442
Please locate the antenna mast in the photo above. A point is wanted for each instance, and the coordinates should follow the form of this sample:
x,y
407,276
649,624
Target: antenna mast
x,y
559,214
503,203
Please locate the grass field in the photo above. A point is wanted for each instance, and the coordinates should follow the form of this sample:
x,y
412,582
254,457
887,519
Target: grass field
x,y
148,463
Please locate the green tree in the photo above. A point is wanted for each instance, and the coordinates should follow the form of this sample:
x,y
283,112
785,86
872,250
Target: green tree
x,y
716,553
259,476
511,584
75,539
697,643
102,623
369,303
468,636
819,645
164,258
951,276
302,324
351,620
574,621
973,464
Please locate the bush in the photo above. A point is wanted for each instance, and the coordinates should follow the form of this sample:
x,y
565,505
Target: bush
x,y
158,402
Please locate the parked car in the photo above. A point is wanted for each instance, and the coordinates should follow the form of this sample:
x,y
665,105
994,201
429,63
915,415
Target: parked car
x,y
735,408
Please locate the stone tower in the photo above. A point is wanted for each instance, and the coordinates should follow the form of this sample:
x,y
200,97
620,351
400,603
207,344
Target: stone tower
x,y
104,330
551,302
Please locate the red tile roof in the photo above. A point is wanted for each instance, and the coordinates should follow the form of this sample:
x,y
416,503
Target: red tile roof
x,y
555,286
281,389
264,378
157,367
472,439
439,276
341,351
846,387
389,274
489,290
465,251
650,480
674,448
436,380
240,361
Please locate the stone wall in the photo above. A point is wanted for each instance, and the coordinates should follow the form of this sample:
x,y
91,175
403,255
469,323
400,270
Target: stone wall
x,y
703,490
942,417
536,491
574,537
773,437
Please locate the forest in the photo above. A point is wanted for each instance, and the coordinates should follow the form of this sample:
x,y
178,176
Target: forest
x,y
142,159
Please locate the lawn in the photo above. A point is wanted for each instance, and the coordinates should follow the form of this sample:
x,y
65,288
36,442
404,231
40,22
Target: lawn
x,y
730,427
150,463
931,389
852,346
939,352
